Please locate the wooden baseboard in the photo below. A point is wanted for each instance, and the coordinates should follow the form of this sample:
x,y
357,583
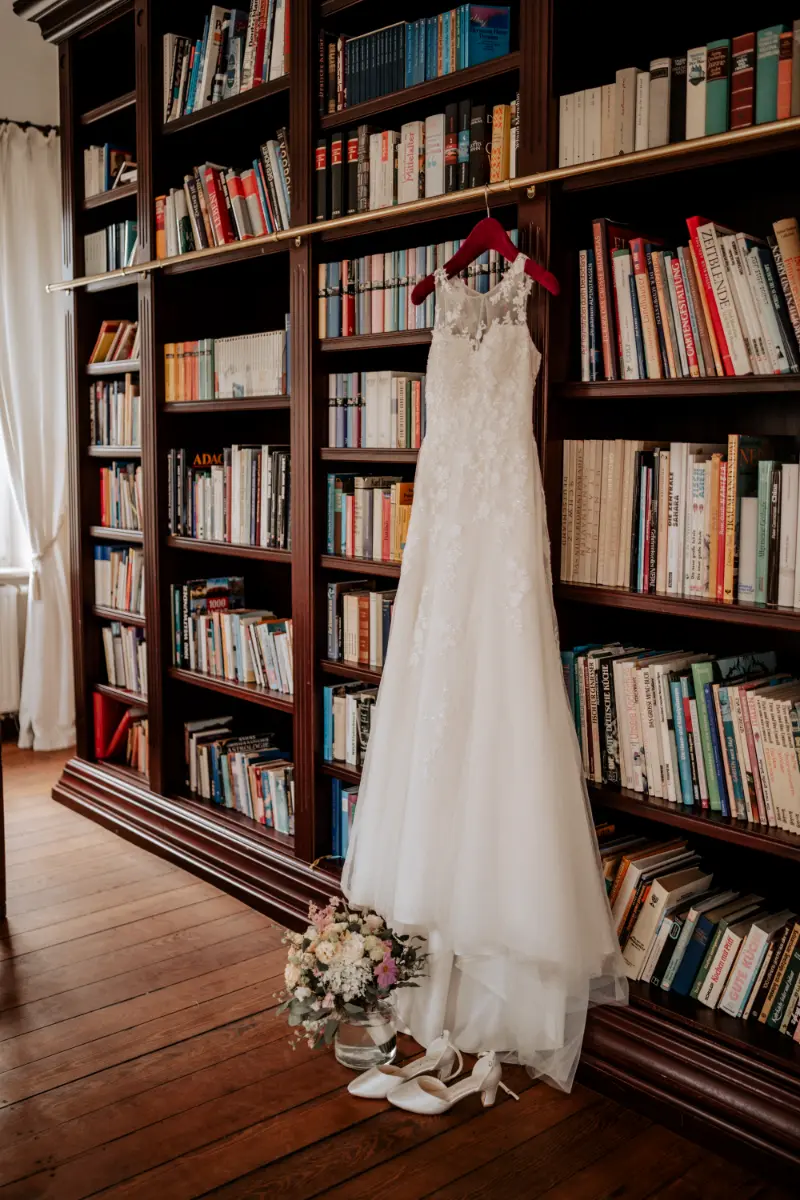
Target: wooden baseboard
x,y
235,860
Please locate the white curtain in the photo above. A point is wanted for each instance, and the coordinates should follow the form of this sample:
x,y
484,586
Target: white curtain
x,y
33,421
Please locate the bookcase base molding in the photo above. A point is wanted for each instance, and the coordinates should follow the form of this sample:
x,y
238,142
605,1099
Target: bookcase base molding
x,y
231,857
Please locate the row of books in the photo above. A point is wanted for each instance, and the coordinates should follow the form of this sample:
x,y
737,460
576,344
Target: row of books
x,y
681,932
692,729
116,342
376,408
119,578
359,618
121,496
683,520
346,721
105,168
253,364
125,650
115,413
244,772
217,205
726,304
368,516
447,152
215,634
239,50
110,249
373,294
120,732
728,84
240,495
137,753
353,70
343,807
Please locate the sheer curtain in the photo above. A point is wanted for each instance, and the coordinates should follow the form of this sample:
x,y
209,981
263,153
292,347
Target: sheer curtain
x,y
33,422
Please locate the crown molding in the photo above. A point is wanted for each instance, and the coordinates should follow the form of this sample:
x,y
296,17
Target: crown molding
x,y
59,19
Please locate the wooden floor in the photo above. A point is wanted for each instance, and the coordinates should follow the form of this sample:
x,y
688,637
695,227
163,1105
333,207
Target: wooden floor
x,y
141,1057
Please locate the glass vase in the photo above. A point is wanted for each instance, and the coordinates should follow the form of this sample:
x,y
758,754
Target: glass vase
x,y
367,1039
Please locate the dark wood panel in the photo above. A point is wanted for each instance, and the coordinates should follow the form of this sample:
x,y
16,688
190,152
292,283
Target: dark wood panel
x,y
334,562
340,770
120,367
211,112
373,341
106,533
126,100
125,192
119,693
767,616
115,614
114,451
242,691
241,404
205,547
350,670
665,389
367,454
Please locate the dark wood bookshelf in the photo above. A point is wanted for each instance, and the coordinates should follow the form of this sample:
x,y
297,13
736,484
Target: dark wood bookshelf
x,y
114,451
665,389
117,614
765,616
240,691
373,341
113,194
211,112
348,670
360,566
120,693
239,404
239,821
330,8
222,256
120,367
232,548
106,534
341,770
126,773
111,284
118,104
367,454
387,105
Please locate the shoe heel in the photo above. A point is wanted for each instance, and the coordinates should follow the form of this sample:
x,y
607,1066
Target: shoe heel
x,y
489,1094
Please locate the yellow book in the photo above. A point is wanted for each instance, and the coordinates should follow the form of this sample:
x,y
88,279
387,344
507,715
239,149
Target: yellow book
x,y
501,143
730,518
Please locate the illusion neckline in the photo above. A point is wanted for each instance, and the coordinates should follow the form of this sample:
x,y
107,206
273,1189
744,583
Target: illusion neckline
x,y
456,279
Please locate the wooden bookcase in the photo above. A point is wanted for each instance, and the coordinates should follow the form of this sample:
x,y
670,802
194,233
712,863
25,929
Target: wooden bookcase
x,y
735,1085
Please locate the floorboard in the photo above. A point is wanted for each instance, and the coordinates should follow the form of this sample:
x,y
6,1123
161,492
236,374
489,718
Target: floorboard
x,y
141,1057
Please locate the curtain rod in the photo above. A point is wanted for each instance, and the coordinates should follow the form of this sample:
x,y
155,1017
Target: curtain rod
x,y
29,125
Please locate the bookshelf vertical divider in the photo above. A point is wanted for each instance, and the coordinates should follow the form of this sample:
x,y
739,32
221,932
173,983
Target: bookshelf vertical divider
x,y
713,1077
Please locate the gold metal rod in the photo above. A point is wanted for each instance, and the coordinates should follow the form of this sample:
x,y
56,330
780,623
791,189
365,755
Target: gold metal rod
x,y
555,175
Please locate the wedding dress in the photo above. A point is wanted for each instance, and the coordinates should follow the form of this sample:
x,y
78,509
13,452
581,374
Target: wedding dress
x,y
473,826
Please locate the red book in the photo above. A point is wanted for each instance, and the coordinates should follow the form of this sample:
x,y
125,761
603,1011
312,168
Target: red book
x,y
261,41
743,79
693,224
220,221
107,716
719,582
785,75
363,629
683,313
255,211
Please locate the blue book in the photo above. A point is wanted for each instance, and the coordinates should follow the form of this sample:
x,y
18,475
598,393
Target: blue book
x,y
729,740
637,328
489,33
716,749
327,722
419,67
190,91
345,821
446,43
681,741
411,52
431,47
336,818
331,511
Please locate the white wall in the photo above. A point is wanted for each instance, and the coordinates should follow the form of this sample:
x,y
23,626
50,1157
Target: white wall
x,y
28,71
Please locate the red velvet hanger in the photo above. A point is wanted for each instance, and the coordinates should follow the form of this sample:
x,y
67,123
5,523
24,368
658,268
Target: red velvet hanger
x,y
488,234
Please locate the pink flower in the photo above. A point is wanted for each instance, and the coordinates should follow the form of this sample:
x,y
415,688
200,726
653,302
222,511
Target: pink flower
x,y
386,972
320,917
329,1000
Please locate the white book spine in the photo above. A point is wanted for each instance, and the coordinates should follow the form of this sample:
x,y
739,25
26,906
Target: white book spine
x,y
579,146
696,92
565,546
625,111
675,530
622,275
719,970
660,83
566,130
721,287
592,124
434,155
642,131
790,480
743,972
748,538
607,118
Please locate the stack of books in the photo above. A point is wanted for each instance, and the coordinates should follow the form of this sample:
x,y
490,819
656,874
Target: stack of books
x,y
447,152
239,50
353,70
121,496
240,495
343,809
347,717
105,168
217,205
110,249
136,747
376,408
126,657
368,516
117,341
728,84
707,521
215,634
115,413
119,578
120,731
359,621
253,364
725,304
244,772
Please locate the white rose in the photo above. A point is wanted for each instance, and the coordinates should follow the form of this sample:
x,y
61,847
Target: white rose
x,y
373,921
302,993
291,975
370,942
326,952
311,933
377,953
353,948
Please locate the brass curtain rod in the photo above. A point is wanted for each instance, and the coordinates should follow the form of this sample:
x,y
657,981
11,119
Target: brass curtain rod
x,y
528,182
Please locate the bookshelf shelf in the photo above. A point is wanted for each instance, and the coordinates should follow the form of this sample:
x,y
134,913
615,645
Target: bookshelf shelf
x,y
107,534
119,104
218,256
374,341
240,404
121,367
236,551
241,823
350,670
241,691
367,455
701,822
340,770
119,693
114,451
273,87
399,215
329,8
336,562
111,196
469,77
115,614
127,774
657,389
763,616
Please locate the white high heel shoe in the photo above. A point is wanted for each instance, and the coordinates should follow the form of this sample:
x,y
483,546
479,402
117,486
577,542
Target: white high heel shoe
x,y
379,1082
429,1096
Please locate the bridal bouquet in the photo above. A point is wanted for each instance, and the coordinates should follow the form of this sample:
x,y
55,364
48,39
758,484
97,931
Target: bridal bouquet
x,y
346,964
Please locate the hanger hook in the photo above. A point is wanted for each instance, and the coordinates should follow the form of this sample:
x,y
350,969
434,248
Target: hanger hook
x,y
486,198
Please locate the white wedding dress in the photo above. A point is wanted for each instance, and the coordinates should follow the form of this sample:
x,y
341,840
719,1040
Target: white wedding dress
x,y
473,825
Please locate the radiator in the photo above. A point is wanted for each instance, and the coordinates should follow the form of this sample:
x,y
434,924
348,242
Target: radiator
x,y
13,607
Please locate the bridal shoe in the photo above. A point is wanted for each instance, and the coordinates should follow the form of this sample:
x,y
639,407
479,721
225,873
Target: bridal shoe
x,y
430,1096
378,1082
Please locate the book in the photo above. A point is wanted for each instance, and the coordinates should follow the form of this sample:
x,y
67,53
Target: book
x,y
718,69
743,75
767,58
696,83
